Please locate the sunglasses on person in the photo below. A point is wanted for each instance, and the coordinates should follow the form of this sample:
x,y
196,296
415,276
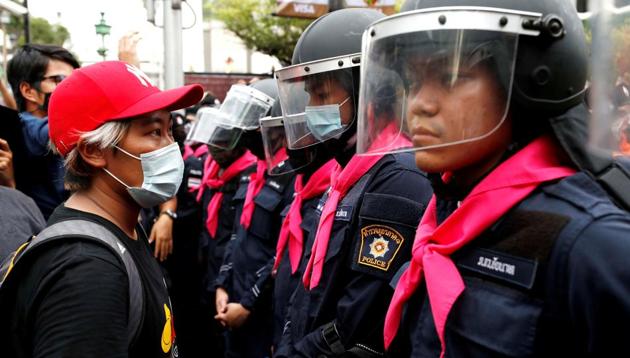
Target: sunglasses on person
x,y
55,78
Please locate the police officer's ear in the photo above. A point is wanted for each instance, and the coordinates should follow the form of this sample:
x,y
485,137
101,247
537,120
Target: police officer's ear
x,y
91,154
29,92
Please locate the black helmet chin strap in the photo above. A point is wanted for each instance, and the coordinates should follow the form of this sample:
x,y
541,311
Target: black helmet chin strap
x,y
571,131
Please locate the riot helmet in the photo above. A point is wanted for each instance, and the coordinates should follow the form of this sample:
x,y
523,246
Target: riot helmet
x,y
274,141
300,160
239,114
251,137
319,91
214,129
533,52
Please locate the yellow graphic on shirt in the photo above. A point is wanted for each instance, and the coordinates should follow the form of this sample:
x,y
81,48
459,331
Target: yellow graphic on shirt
x,y
168,333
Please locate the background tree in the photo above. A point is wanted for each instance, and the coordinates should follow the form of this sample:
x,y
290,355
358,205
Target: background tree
x,y
42,31
252,22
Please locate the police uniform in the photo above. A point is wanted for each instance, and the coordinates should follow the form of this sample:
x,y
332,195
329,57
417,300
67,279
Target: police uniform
x,y
247,264
211,252
550,278
371,238
285,282
213,249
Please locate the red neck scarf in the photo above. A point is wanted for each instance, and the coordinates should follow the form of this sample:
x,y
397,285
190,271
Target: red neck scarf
x,y
502,189
216,181
256,182
341,182
291,232
210,170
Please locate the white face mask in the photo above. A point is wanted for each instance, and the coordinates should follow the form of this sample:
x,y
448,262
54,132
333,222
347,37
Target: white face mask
x,y
163,170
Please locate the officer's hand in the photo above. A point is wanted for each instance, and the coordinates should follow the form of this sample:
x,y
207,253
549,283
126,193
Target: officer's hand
x,y
6,165
162,234
235,315
221,300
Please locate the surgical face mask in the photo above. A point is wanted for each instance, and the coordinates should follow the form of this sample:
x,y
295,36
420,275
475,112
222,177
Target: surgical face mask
x,y
163,170
44,106
323,120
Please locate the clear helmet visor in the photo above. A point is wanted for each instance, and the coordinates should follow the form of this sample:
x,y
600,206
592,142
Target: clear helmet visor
x,y
433,79
318,100
244,106
280,160
609,90
215,129
190,136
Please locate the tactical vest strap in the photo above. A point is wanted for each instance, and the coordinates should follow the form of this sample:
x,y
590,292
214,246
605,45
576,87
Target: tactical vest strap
x,y
525,234
331,337
615,180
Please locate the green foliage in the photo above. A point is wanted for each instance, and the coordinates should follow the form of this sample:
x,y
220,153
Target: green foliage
x,y
252,22
42,32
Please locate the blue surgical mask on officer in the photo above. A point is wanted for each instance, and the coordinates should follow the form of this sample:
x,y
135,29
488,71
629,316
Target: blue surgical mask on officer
x,y
163,170
324,120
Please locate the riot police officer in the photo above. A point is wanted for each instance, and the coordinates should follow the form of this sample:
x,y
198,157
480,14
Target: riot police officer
x,y
313,166
244,285
225,162
521,251
366,219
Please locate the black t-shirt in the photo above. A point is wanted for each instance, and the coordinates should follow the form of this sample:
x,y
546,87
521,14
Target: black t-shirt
x,y
73,300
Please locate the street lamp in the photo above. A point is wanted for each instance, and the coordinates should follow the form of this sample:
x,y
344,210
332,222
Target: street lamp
x,y
102,29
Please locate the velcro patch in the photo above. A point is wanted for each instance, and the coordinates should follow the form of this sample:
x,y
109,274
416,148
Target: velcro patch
x,y
343,213
193,182
379,246
516,270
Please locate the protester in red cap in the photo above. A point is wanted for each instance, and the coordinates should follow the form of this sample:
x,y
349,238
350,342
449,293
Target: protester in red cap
x,y
80,297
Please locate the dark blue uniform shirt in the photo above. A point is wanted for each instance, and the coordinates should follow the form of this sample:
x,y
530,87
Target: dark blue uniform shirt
x,y
285,282
213,248
550,278
247,264
371,237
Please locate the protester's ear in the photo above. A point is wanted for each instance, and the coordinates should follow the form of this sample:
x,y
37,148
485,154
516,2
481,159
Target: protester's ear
x,y
91,154
29,92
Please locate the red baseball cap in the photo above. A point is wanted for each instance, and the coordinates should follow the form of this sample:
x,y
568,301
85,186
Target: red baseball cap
x,y
108,91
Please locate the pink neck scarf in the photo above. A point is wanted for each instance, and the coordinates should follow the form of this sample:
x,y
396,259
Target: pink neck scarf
x,y
201,150
291,232
341,182
502,189
210,170
281,155
189,151
256,182
217,181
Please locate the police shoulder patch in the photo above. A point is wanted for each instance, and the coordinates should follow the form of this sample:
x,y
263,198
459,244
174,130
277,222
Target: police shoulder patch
x,y
379,246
